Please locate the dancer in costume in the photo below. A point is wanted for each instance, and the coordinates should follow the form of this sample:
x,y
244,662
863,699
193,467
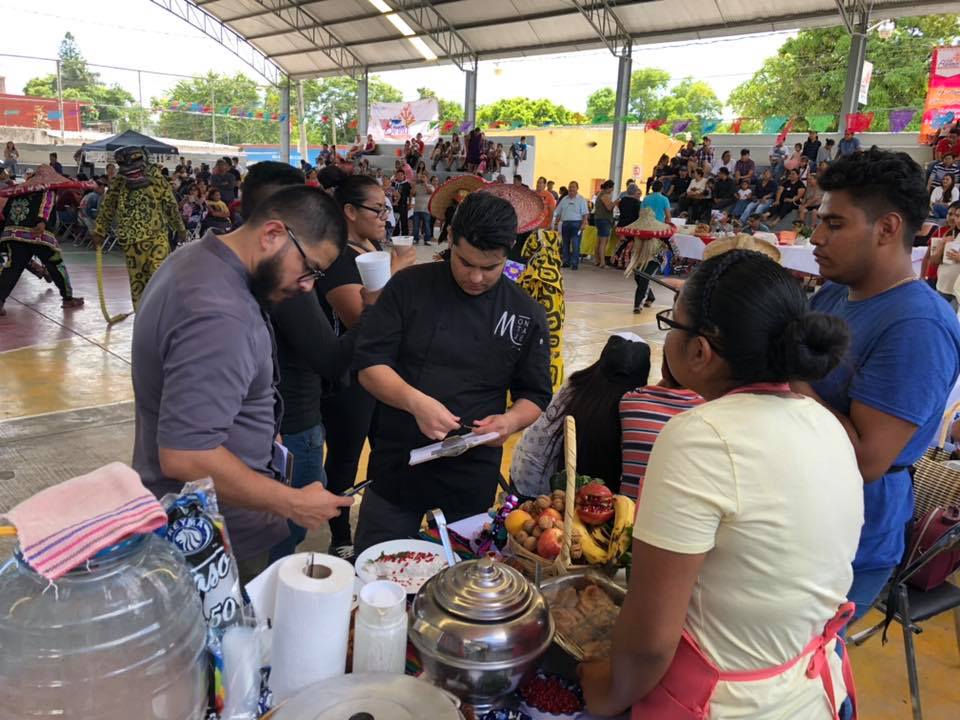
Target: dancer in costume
x,y
141,209
543,281
27,232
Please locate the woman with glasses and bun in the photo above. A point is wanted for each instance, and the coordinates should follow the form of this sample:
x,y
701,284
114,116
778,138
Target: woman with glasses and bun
x,y
348,412
749,519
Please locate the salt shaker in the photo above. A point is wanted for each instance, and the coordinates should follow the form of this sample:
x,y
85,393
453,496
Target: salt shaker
x,y
380,637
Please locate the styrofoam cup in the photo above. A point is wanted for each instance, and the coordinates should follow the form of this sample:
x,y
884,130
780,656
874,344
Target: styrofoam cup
x,y
374,269
402,240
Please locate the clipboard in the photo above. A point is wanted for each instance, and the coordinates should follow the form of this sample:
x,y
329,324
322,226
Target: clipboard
x,y
450,447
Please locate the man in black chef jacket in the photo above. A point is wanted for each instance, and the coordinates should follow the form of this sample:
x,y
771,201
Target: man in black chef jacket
x,y
440,350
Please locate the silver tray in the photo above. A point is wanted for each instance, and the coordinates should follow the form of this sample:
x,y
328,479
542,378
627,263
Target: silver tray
x,y
580,579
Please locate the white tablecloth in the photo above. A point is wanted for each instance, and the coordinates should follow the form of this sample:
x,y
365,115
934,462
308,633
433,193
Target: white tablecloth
x,y
794,257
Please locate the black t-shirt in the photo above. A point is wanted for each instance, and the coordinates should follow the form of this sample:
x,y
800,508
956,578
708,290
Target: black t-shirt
x,y
464,351
811,149
724,189
226,183
343,271
766,189
629,210
790,190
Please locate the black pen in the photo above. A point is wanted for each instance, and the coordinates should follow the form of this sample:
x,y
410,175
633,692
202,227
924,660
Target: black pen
x,y
356,488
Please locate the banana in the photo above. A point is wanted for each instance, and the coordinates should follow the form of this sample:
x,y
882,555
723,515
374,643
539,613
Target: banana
x,y
595,553
620,539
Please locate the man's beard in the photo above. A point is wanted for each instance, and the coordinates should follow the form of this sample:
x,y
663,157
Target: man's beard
x,y
265,281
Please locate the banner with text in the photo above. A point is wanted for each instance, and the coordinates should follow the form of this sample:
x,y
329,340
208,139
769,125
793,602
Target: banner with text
x,y
943,94
398,122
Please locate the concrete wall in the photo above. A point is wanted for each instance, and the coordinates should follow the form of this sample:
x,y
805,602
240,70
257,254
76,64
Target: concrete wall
x,y
582,153
760,145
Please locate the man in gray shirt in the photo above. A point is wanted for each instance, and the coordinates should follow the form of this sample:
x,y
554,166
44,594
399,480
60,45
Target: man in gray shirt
x,y
204,369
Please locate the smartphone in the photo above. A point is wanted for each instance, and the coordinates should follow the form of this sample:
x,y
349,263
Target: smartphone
x,y
356,488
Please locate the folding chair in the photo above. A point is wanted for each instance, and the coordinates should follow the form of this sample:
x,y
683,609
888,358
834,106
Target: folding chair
x,y
934,485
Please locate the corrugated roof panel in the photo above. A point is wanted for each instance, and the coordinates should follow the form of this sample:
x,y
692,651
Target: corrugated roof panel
x,y
386,52
364,30
467,12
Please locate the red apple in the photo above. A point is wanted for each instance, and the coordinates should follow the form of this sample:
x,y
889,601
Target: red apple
x,y
548,546
553,515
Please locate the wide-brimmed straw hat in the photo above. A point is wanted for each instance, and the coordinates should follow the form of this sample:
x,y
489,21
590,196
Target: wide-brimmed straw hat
x,y
447,193
647,226
741,242
528,205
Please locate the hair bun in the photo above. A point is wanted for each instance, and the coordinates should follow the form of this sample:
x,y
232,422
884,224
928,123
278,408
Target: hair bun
x,y
809,347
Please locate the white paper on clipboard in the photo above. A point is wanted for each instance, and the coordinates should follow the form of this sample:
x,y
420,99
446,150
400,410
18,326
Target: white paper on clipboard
x,y
451,447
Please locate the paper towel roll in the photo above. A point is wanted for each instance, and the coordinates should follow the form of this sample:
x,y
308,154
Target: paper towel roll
x,y
311,621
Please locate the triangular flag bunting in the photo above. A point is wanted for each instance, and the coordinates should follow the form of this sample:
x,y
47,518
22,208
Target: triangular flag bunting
x,y
708,125
821,123
353,124
774,124
859,122
782,137
679,126
736,125
656,124
899,119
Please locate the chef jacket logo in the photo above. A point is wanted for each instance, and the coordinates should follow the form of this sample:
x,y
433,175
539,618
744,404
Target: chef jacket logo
x,y
512,326
191,534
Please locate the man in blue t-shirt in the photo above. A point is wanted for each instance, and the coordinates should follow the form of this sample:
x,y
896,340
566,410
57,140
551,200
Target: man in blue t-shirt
x,y
904,357
657,202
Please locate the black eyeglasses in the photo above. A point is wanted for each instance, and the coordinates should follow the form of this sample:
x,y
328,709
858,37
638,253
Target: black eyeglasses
x,y
382,212
313,273
665,322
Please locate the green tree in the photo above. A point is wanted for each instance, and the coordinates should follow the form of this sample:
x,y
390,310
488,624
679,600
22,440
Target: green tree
x,y
107,103
336,98
524,111
449,110
218,92
689,100
647,86
601,105
807,75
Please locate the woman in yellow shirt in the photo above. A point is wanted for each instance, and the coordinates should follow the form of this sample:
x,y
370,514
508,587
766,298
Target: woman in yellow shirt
x,y
750,517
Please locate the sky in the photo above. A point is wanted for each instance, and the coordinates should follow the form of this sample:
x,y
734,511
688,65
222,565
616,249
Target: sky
x,y
139,34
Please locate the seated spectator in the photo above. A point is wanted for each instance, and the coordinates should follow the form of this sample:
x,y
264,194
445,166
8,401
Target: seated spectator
x,y
793,159
679,187
355,149
822,167
323,157
849,144
217,213
804,169
688,151
370,147
695,192
825,153
592,397
778,156
660,169
518,152
946,166
807,213
724,189
942,236
11,156
950,145
755,225
789,197
745,169
312,179
658,202
454,151
440,151
704,155
420,145
744,197
811,147
726,162
501,155
944,196
90,205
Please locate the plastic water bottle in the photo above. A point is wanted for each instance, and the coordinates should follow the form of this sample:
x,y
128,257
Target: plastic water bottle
x,y
380,636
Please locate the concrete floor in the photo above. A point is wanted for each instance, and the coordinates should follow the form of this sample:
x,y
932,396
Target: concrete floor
x,y
67,408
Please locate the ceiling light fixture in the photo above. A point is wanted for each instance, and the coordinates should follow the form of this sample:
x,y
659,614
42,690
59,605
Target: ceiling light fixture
x,y
423,48
404,29
400,24
381,6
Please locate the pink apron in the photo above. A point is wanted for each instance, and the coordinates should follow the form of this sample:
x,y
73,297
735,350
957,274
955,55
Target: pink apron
x,y
685,691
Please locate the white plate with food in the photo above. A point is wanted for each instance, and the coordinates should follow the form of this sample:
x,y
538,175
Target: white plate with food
x,y
410,563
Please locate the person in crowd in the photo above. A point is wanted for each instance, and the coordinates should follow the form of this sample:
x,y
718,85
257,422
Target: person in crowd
x,y
218,214
732,503
825,153
313,362
357,147
811,147
233,167
369,147
704,154
501,157
111,172
549,203
570,218
812,197
657,202
849,144
403,189
55,164
644,411
454,151
744,198
603,208
348,413
789,197
439,152
945,166
518,152
11,156
389,195
873,205
763,198
726,162
804,170
794,158
591,397
690,201
778,156
204,373
688,151
949,145
439,351
421,215
745,168
421,146
679,187
937,247
944,196
90,205
629,206
755,225
660,169
224,181
724,190
550,186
